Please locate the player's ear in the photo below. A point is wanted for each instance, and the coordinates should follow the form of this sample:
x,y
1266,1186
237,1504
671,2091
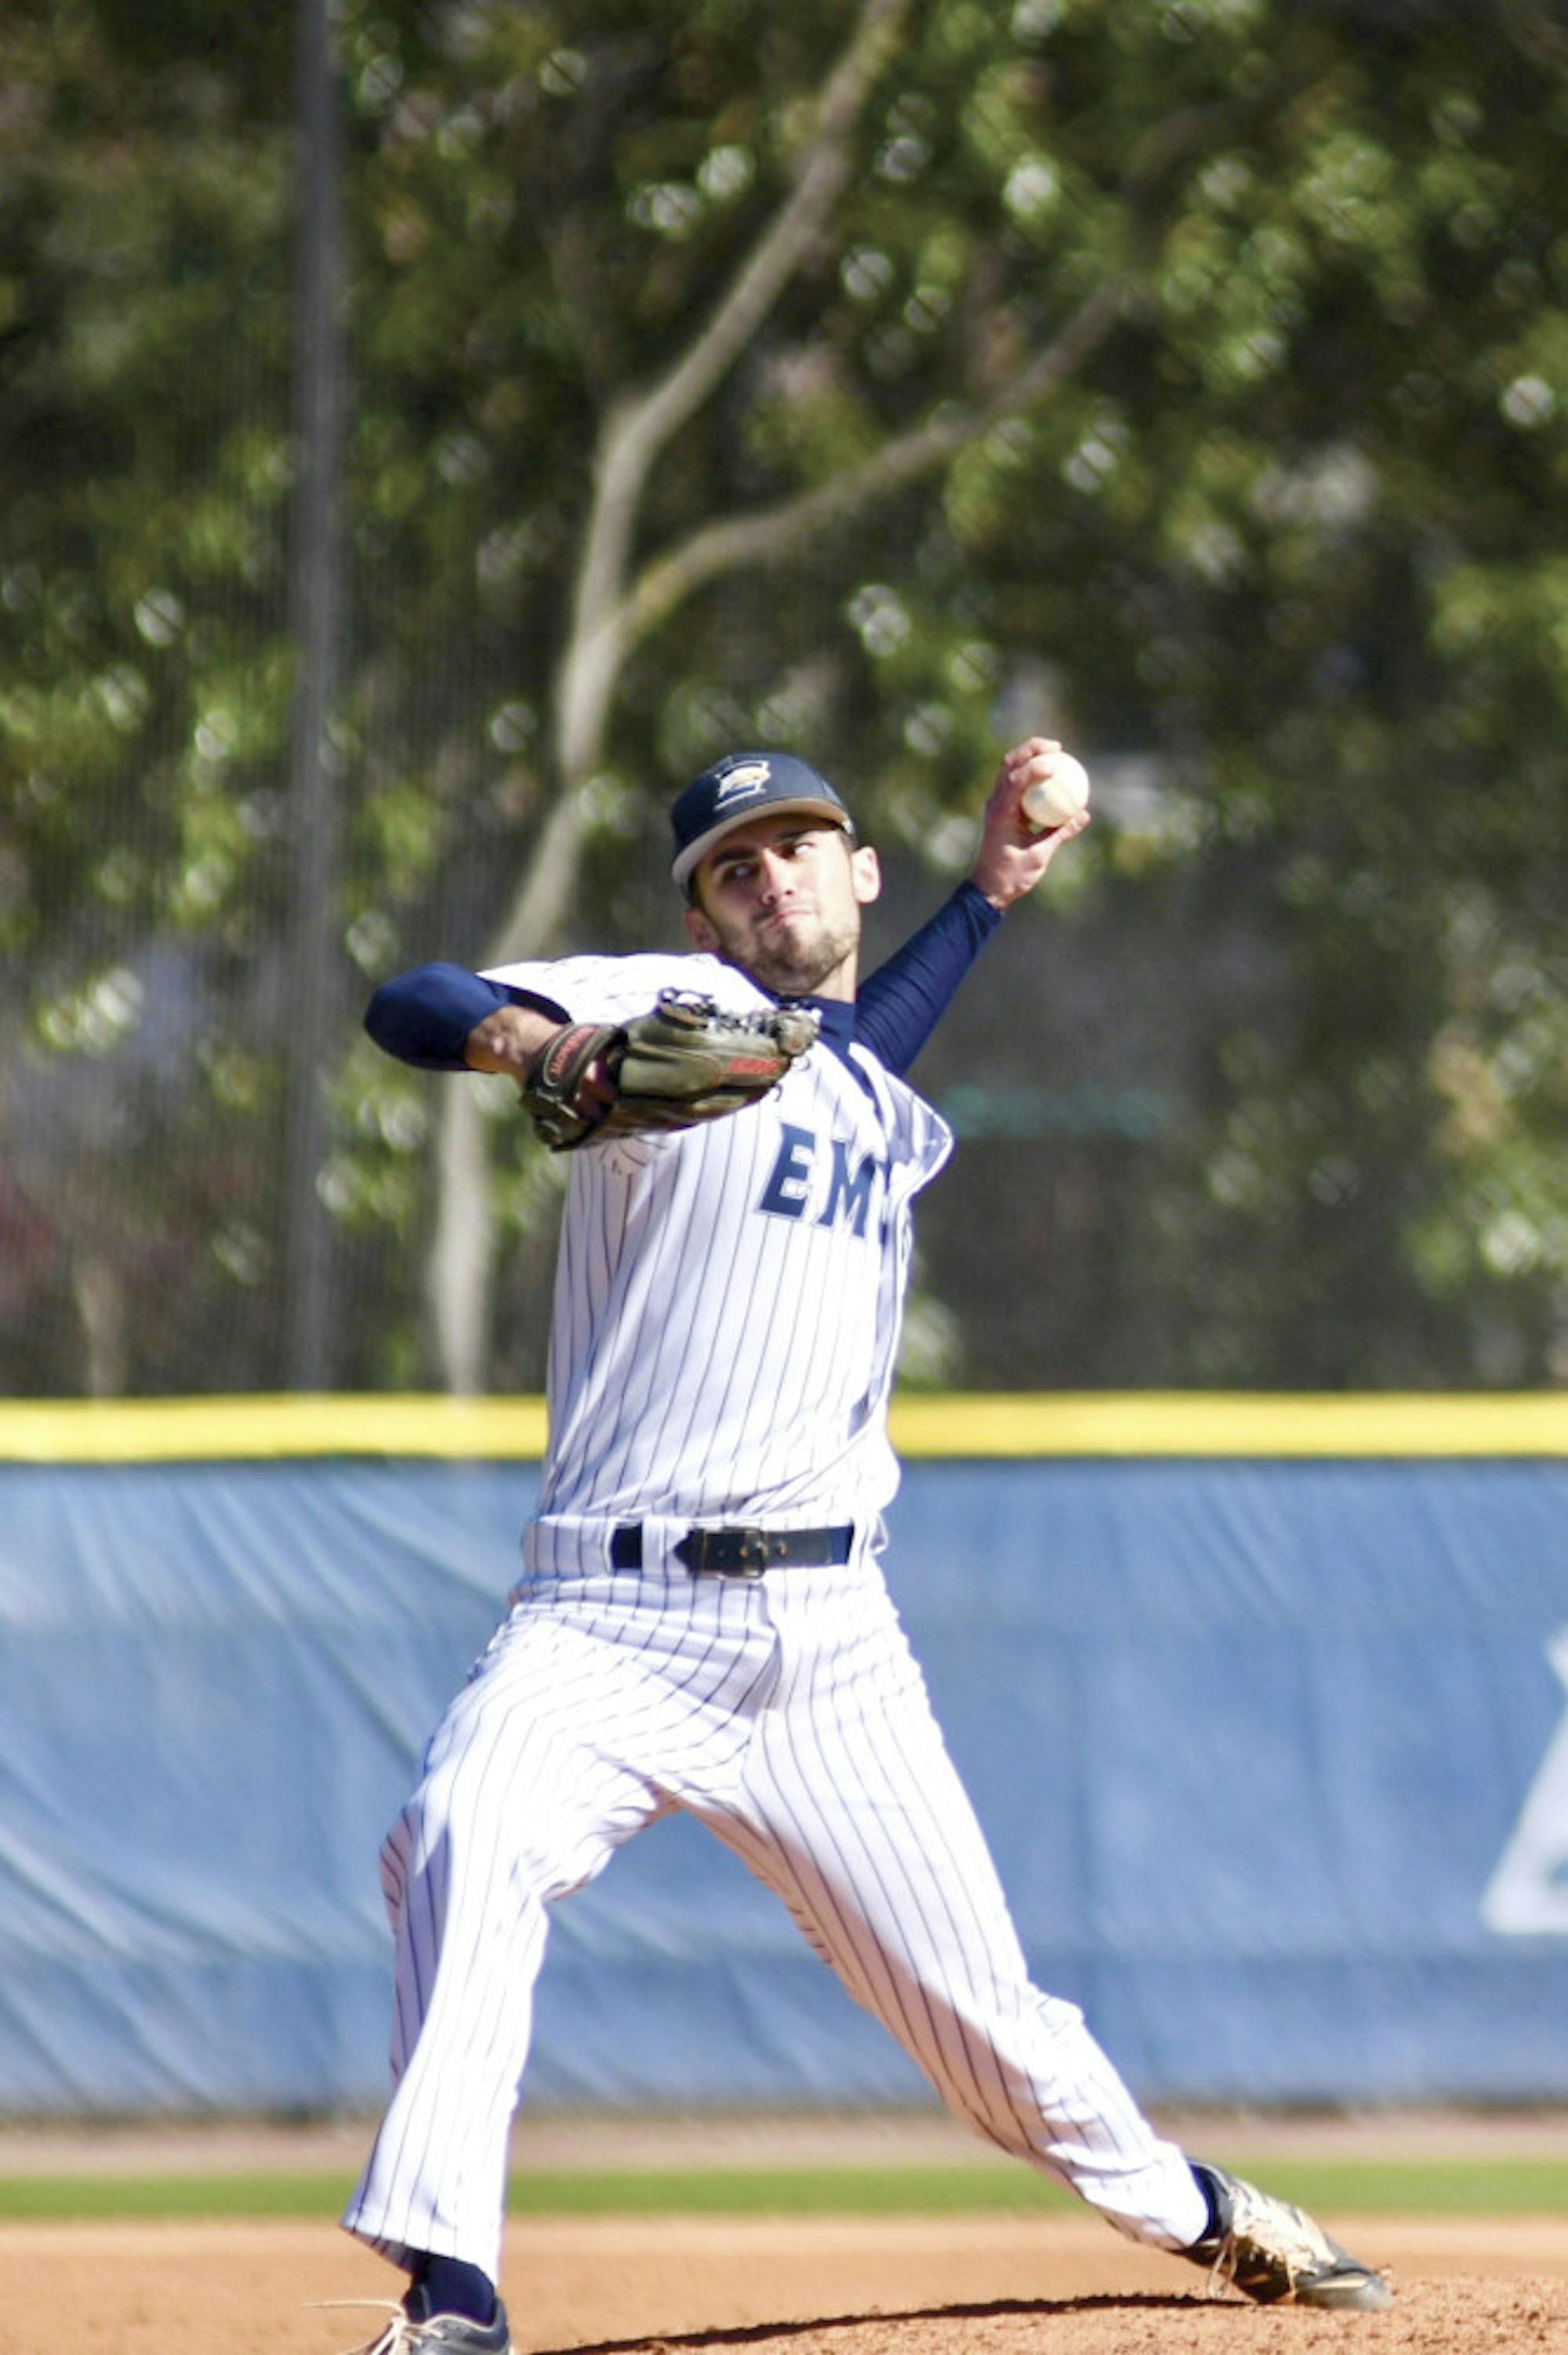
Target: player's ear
x,y
865,874
700,932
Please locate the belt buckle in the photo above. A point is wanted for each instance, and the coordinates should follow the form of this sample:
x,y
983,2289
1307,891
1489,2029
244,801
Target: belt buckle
x,y
725,1553
754,1553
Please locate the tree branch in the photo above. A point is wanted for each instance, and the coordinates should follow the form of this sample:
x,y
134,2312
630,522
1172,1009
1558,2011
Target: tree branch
x,y
772,532
637,427
824,169
726,546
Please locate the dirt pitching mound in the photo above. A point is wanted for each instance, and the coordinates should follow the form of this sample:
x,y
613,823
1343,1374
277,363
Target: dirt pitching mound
x,y
904,2286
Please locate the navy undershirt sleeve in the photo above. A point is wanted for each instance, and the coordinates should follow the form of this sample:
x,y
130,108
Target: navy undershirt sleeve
x,y
900,1005
424,1016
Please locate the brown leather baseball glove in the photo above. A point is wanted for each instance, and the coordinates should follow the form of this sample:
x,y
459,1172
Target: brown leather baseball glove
x,y
686,1061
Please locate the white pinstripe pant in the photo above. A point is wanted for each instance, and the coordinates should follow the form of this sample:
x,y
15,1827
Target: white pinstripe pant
x,y
788,1714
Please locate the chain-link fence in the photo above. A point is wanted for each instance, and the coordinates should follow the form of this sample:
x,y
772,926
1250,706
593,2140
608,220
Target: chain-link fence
x,y
325,367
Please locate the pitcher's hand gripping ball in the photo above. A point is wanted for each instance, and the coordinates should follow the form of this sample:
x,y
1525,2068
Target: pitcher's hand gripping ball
x,y
688,1060
1059,796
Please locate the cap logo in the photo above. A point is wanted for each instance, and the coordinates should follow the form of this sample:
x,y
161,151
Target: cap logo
x,y
739,784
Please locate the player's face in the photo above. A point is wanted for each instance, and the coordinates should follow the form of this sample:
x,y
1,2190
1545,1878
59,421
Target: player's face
x,y
781,899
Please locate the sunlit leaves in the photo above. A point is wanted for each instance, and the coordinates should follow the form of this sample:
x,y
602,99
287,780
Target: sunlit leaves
x,y
1282,553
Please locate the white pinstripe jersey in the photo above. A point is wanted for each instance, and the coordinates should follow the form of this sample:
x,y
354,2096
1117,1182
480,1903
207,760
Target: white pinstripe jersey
x,y
728,1297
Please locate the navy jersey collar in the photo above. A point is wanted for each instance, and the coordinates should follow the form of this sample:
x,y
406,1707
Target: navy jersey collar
x,y
836,1016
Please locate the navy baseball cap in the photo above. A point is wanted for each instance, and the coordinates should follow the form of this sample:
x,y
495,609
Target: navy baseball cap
x,y
738,788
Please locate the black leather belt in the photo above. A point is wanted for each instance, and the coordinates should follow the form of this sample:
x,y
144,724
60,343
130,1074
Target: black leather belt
x,y
739,1553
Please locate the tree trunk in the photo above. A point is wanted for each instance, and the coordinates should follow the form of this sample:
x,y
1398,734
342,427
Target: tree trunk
x,y
608,620
460,1270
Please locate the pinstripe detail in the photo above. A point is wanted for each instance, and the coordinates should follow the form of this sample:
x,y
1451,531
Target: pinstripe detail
x,y
707,1359
724,1329
787,1715
857,1818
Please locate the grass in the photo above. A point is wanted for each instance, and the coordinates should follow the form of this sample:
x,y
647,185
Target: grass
x,y
1445,2187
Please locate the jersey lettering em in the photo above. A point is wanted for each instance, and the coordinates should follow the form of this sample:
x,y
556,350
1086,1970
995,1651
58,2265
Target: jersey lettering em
x,y
728,1297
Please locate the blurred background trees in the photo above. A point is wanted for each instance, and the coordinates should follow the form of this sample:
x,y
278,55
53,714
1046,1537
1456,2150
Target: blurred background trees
x,y
1188,382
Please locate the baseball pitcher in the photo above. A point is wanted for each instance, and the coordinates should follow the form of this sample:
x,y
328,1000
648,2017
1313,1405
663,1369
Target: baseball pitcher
x,y
702,1621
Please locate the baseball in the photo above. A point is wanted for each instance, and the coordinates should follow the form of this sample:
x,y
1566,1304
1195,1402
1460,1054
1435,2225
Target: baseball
x,y
1051,801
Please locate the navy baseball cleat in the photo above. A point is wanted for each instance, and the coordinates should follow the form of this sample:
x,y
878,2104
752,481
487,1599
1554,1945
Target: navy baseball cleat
x,y
415,2330
1275,2253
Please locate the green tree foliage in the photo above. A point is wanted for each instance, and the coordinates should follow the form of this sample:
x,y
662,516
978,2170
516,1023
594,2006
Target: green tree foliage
x,y
1188,378
145,198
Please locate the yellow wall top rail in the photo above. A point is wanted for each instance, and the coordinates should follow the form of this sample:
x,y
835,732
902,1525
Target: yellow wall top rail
x,y
972,1424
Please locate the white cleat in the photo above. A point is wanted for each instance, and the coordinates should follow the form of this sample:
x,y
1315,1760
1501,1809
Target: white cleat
x,y
412,2330
1275,2253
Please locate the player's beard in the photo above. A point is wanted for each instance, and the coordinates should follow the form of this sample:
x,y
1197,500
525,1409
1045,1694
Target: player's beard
x,y
793,955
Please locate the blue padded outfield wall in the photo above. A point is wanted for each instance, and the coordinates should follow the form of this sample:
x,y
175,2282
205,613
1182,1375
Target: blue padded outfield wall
x,y
1272,1747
